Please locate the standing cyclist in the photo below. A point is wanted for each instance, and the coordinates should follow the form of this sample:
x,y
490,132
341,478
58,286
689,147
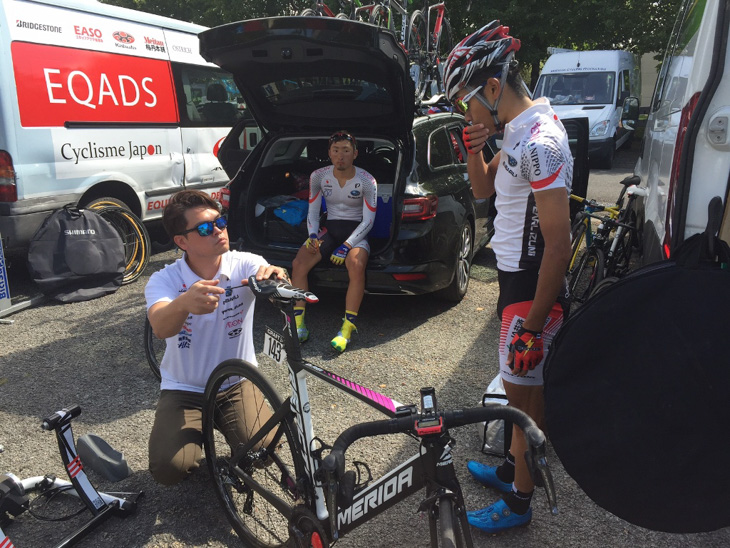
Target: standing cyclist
x,y
350,194
531,177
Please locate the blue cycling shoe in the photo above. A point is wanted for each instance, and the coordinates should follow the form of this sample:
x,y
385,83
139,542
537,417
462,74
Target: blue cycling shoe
x,y
497,518
487,475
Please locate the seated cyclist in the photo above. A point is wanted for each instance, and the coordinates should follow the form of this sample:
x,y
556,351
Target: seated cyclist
x,y
350,194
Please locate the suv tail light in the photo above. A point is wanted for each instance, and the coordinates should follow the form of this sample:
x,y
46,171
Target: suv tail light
x,y
674,174
421,208
8,189
225,197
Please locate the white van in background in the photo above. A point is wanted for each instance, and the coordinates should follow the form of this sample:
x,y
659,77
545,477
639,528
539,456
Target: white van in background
x,y
100,102
594,84
685,156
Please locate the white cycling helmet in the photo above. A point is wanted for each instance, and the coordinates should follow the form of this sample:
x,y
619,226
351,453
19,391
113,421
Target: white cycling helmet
x,y
490,46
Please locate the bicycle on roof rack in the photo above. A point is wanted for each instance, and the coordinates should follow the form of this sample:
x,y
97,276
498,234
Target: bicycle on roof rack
x,y
279,489
14,498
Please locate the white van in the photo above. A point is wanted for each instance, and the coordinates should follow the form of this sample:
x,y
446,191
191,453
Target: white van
x,y
594,84
685,156
99,102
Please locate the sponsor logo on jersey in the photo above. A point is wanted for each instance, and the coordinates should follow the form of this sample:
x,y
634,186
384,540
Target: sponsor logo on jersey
x,y
512,161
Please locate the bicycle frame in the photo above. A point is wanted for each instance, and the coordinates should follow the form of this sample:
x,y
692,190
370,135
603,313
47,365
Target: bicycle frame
x,y
389,6
412,475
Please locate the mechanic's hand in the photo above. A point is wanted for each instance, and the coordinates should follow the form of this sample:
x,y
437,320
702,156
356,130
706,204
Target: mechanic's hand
x,y
266,272
312,243
525,351
202,297
338,257
475,138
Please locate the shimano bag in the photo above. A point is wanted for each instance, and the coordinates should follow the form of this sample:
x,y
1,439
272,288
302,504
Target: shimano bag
x,y
76,255
637,385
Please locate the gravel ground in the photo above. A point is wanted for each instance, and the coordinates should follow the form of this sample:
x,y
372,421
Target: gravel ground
x,y
91,354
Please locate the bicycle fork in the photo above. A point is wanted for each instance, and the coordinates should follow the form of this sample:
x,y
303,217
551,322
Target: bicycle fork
x,y
444,484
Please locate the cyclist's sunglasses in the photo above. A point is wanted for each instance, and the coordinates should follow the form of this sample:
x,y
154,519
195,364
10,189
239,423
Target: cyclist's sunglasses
x,y
463,104
206,228
341,136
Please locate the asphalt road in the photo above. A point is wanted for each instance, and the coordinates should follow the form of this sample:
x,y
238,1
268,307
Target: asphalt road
x,y
91,353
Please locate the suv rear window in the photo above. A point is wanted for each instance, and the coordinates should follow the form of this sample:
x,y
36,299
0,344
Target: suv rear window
x,y
322,88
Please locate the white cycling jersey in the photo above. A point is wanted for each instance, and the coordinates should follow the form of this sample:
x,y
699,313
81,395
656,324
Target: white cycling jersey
x,y
356,201
535,156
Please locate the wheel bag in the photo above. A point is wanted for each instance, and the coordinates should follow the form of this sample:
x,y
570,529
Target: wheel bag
x,y
76,255
637,392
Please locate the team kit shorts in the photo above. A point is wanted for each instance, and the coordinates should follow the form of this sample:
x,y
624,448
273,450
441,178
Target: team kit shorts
x,y
337,233
516,291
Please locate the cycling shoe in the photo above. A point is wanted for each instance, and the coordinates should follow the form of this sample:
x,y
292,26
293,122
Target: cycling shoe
x,y
487,475
497,518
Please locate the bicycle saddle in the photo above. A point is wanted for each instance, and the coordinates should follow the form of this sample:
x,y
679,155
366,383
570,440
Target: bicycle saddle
x,y
280,289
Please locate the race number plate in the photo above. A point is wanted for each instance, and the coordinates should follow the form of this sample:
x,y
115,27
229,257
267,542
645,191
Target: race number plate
x,y
274,345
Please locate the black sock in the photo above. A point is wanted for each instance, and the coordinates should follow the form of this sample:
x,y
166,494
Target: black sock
x,y
506,470
518,501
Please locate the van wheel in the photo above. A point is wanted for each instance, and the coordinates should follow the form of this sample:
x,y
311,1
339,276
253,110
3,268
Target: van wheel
x,y
456,290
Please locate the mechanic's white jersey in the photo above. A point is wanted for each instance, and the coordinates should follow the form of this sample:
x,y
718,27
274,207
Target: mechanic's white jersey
x,y
356,201
535,156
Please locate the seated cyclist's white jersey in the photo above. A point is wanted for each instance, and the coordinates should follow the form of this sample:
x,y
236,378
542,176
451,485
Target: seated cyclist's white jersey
x,y
535,156
356,201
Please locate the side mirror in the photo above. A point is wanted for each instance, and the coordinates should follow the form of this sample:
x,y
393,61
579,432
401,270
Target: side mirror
x,y
630,114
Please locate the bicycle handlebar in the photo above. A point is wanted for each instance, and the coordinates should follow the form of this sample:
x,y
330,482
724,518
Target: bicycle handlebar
x,y
279,289
62,416
334,462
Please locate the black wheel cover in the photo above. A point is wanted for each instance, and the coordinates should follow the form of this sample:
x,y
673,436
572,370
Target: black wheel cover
x,y
637,397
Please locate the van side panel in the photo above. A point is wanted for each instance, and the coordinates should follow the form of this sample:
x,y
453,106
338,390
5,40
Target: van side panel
x,y
95,112
683,171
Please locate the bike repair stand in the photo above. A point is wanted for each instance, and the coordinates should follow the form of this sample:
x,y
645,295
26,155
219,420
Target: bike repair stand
x,y
101,505
6,304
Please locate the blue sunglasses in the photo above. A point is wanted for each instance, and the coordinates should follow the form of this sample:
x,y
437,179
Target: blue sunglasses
x,y
206,228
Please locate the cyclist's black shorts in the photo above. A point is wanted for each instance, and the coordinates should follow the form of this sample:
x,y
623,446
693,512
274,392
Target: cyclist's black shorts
x,y
337,233
520,286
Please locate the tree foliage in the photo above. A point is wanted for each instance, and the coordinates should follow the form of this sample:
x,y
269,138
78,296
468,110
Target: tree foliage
x,y
640,26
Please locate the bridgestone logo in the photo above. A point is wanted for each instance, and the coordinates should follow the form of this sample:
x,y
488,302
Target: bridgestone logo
x,y
37,26
79,232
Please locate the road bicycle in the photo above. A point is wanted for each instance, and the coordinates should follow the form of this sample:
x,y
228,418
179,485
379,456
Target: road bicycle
x,y
429,42
279,489
320,9
14,499
608,250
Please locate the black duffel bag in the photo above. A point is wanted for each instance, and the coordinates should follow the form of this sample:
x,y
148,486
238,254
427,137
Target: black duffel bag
x,y
76,255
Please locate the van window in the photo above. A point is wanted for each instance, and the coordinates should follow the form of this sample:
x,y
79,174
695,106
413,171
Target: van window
x,y
672,79
207,96
577,88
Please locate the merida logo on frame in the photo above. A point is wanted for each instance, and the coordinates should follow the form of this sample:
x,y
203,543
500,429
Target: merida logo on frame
x,y
376,496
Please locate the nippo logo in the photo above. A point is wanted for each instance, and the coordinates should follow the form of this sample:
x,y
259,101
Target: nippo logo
x,y
123,37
